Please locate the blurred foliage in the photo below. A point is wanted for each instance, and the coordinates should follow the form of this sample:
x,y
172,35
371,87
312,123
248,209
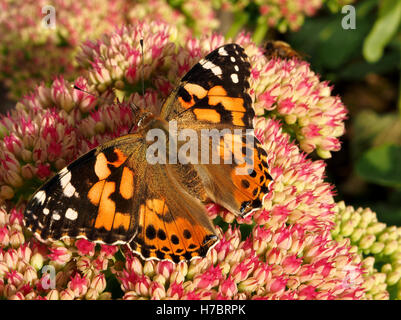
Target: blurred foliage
x,y
364,65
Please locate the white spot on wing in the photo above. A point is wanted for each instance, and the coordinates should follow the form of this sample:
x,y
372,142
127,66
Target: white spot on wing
x,y
63,171
46,211
69,190
234,78
65,178
223,52
236,68
40,197
71,214
211,66
56,216
232,59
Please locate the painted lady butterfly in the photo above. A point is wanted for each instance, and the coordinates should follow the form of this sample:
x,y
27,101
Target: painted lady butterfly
x,y
113,195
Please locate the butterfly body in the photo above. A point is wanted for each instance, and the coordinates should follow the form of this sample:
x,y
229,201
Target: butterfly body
x,y
118,194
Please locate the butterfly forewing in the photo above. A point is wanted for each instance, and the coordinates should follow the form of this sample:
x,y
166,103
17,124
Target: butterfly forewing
x,y
214,95
91,198
214,91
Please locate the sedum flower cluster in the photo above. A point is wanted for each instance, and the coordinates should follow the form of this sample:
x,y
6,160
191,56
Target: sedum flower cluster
x,y
39,40
287,250
35,47
377,244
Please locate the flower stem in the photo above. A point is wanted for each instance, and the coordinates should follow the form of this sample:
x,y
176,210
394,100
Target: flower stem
x,y
240,19
399,97
261,30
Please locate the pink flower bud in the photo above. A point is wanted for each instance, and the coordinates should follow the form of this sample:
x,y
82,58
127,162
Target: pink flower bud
x,y
85,247
165,268
98,283
17,238
108,251
228,287
291,264
24,253
59,255
134,265
78,285
17,296
53,295
4,237
175,290
67,294
157,291
142,286
11,258
277,285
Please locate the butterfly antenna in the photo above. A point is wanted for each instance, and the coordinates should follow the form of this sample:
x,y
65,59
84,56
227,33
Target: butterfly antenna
x,y
80,89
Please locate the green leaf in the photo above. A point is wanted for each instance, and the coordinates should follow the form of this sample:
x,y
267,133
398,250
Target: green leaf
x,y
358,69
373,130
340,45
381,165
383,30
331,46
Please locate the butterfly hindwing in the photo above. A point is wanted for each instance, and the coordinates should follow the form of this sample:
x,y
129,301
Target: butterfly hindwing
x,y
173,226
172,222
240,185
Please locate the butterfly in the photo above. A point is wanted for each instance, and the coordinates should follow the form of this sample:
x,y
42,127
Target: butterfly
x,y
114,195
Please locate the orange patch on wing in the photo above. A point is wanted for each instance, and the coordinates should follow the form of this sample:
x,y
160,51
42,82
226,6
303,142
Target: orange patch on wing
x,y
229,103
107,207
208,115
95,192
122,220
157,205
237,118
242,194
185,104
121,157
217,91
197,233
127,184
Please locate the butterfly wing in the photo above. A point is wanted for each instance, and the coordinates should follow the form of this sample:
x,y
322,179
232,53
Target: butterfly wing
x,y
172,223
214,95
214,92
91,198
240,180
113,195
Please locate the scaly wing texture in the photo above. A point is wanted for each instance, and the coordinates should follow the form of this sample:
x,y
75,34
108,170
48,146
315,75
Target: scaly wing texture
x,y
214,96
91,198
113,195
